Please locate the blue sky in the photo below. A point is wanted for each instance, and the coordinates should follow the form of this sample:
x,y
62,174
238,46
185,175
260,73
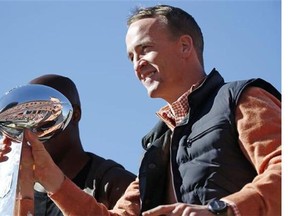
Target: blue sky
x,y
85,40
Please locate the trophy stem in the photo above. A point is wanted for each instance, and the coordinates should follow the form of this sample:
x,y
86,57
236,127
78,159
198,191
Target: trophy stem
x,y
11,202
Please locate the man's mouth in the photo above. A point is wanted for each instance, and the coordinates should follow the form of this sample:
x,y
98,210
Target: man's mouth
x,y
147,75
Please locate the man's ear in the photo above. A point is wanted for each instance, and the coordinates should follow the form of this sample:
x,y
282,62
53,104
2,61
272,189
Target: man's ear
x,y
186,44
76,113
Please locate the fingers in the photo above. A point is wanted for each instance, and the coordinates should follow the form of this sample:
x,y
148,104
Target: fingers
x,y
27,160
46,172
32,140
38,149
5,148
26,156
159,210
33,151
6,141
26,172
3,157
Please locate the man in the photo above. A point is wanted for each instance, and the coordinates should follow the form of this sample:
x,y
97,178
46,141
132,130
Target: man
x,y
104,179
217,146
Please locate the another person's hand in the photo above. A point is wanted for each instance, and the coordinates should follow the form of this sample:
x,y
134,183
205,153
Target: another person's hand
x,y
5,148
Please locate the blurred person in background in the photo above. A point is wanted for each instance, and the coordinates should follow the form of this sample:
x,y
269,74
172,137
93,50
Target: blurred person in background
x,y
104,179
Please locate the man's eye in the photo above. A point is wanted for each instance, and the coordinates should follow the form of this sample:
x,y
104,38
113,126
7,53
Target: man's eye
x,y
130,57
145,49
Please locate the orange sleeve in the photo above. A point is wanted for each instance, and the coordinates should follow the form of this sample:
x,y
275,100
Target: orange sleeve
x,y
258,118
72,201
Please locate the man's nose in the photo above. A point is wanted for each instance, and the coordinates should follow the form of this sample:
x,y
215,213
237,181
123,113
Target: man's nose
x,y
138,66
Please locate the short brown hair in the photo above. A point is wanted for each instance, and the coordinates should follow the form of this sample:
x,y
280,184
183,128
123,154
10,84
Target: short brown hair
x,y
178,21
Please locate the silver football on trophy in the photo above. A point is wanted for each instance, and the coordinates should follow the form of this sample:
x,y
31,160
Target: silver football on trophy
x,y
40,108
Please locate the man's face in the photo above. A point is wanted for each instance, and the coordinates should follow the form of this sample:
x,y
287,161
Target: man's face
x,y
156,57
58,145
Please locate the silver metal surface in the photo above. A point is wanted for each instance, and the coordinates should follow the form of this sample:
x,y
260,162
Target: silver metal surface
x,y
8,178
40,108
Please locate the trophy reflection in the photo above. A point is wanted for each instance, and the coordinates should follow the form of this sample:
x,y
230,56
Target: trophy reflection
x,y
43,110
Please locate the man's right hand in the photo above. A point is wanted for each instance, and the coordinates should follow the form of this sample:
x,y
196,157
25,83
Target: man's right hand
x,y
46,172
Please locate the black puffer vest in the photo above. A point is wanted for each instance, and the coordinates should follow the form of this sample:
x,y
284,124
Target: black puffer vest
x,y
204,152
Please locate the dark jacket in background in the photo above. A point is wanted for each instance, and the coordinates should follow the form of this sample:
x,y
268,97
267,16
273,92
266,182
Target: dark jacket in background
x,y
104,179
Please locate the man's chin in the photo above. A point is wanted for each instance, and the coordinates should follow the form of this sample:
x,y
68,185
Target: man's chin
x,y
153,92
153,95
